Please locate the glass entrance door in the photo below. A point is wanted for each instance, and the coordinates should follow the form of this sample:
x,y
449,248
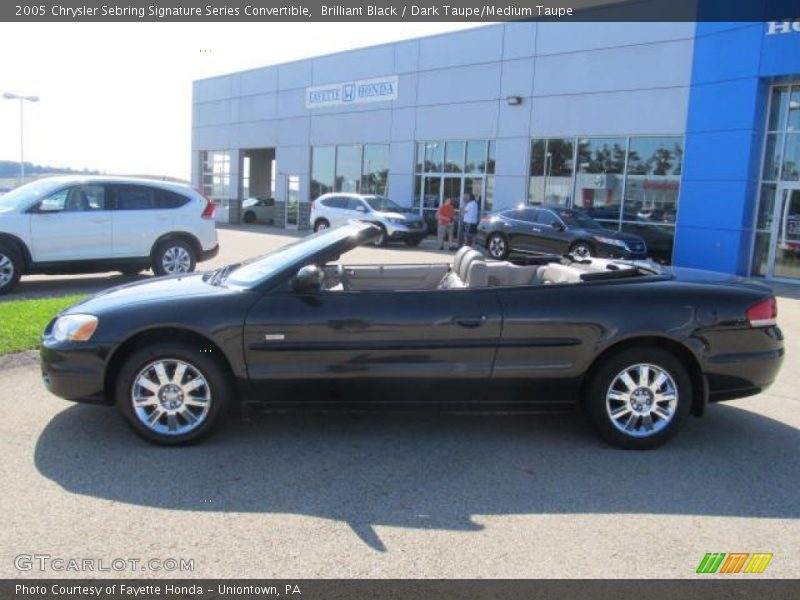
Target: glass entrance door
x,y
785,250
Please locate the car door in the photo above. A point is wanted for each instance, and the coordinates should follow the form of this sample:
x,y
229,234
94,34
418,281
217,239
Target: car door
x,y
71,224
523,231
137,220
392,344
554,237
336,210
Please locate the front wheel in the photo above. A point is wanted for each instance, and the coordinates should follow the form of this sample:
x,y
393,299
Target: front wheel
x,y
497,246
174,257
321,225
172,394
383,238
10,268
249,217
638,398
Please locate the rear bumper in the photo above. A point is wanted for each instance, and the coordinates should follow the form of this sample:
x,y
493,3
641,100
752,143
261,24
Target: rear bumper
x,y
208,254
745,371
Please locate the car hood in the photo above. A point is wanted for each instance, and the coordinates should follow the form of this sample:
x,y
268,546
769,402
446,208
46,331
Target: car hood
x,y
156,289
403,216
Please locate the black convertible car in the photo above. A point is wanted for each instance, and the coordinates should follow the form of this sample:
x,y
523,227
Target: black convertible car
x,y
639,348
554,230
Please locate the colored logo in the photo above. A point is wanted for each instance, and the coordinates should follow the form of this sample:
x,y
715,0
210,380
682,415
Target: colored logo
x,y
734,562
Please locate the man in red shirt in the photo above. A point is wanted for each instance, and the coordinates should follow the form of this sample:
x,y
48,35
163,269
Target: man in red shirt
x,y
446,215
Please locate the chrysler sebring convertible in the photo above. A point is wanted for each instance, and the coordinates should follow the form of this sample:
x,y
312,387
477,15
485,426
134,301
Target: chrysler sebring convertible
x,y
637,347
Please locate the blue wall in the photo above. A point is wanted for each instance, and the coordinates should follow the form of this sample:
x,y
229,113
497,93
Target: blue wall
x,y
734,65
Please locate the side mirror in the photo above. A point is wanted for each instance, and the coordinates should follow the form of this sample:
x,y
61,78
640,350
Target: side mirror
x,y
307,280
558,226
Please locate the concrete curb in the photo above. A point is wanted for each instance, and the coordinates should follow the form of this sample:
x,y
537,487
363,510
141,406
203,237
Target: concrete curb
x,y
19,359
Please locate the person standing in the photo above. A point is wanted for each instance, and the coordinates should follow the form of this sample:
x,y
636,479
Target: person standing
x,y
446,216
470,219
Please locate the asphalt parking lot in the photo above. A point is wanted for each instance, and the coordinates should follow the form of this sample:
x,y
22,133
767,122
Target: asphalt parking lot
x,y
408,495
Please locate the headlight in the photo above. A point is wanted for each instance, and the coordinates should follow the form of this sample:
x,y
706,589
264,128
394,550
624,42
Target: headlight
x,y
610,241
74,328
396,221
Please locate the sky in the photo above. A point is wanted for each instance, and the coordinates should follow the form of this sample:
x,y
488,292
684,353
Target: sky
x,y
116,97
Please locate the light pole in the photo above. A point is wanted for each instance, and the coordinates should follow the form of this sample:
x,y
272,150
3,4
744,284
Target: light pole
x,y
22,100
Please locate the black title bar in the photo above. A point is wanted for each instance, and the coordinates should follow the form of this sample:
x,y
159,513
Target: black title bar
x,y
397,11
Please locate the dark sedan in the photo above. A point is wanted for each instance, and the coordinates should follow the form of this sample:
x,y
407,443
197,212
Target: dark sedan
x,y
638,347
554,230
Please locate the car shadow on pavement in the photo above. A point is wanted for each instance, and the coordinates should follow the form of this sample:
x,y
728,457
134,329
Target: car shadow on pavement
x,y
429,471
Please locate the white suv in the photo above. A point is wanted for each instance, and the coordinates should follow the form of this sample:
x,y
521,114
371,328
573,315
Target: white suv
x,y
397,223
78,224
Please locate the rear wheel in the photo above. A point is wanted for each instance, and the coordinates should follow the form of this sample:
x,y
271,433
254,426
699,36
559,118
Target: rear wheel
x,y
172,393
638,398
582,250
321,224
173,257
497,246
10,267
249,217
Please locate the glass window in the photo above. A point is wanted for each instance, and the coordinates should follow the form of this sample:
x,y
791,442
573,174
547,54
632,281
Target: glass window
x,y
551,172
165,199
490,160
653,181
323,170
374,179
215,168
348,168
55,202
791,158
766,207
600,166
476,156
778,108
454,157
434,153
355,204
335,202
546,217
772,158
793,119
292,200
134,197
420,164
489,203
522,214
417,191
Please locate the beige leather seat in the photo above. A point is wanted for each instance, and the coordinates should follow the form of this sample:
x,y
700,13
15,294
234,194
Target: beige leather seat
x,y
469,270
558,273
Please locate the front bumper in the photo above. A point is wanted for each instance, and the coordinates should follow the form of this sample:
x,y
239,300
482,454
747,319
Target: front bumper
x,y
402,232
75,371
609,251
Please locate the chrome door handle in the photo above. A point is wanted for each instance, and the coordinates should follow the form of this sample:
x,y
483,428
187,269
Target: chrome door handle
x,y
470,322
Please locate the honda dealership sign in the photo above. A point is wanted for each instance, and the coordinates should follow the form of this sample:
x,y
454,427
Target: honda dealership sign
x,y
380,89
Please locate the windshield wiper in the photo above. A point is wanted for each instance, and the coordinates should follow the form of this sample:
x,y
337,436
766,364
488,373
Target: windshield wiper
x,y
219,276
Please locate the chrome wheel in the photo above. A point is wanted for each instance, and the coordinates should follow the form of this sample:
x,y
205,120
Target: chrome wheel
x,y
581,251
175,260
322,225
6,270
171,397
497,246
641,400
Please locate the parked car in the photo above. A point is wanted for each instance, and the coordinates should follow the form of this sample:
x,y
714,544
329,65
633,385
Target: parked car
x,y
258,209
640,348
79,224
554,230
395,222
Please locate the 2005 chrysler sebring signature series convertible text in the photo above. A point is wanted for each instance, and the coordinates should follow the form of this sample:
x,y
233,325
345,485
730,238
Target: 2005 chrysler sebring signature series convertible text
x,y
638,347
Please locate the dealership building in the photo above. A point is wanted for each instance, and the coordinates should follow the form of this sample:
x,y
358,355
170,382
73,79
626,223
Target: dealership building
x,y
686,133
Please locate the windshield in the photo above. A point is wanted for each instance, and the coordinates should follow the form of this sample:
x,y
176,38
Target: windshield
x,y
256,270
576,219
28,194
382,204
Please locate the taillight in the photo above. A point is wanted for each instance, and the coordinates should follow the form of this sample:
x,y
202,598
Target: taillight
x,y
208,211
763,314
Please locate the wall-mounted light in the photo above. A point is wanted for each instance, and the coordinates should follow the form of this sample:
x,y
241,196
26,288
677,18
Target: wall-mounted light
x,y
514,100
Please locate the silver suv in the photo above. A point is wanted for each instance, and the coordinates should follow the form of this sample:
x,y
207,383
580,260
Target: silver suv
x,y
330,210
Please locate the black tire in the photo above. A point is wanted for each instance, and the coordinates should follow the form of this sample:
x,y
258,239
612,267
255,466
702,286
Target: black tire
x,y
497,246
381,241
598,405
577,249
249,217
321,224
204,363
11,265
174,247
412,242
